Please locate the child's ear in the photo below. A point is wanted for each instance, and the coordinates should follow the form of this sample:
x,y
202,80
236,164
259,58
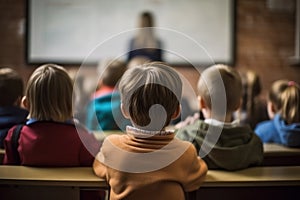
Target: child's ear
x,y
177,112
124,111
203,108
25,103
239,105
202,104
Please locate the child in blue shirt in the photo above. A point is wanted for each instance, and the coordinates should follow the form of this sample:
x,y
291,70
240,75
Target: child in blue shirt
x,y
284,112
11,90
103,111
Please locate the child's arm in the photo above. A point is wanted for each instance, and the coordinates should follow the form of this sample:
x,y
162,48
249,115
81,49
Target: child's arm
x,y
189,120
9,157
195,172
90,147
99,168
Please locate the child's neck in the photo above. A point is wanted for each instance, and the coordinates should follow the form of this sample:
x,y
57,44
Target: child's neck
x,y
227,119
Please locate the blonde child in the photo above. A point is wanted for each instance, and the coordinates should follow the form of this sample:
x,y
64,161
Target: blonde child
x,y
284,112
148,162
224,143
49,138
11,90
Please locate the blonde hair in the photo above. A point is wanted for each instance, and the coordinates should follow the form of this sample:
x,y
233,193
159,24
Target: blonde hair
x,y
232,85
150,84
49,93
11,86
285,96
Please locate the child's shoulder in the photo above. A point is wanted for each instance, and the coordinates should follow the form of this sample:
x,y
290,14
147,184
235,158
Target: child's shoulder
x,y
265,125
191,129
114,140
54,127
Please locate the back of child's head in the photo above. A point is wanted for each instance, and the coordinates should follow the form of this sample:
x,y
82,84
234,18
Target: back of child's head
x,y
251,88
113,70
285,97
252,109
11,87
49,93
232,85
146,89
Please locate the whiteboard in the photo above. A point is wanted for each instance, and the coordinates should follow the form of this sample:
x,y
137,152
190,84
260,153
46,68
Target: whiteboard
x,y
76,31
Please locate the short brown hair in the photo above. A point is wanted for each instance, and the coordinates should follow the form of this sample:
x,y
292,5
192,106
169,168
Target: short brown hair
x,y
232,86
113,72
49,93
150,84
11,86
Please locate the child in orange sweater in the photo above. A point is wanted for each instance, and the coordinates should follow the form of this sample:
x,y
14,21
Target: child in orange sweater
x,y
149,162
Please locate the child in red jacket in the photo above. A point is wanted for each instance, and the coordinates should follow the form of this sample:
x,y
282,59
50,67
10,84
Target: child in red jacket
x,y
50,137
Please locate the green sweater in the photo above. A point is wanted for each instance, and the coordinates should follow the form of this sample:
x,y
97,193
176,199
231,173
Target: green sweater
x,y
228,147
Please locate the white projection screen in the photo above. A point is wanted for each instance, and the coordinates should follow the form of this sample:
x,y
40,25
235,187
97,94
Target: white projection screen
x,y
70,31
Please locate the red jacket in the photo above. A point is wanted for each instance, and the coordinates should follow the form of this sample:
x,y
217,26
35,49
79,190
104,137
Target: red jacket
x,y
52,144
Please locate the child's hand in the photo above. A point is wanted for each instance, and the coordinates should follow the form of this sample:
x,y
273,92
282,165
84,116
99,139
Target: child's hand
x,y
189,120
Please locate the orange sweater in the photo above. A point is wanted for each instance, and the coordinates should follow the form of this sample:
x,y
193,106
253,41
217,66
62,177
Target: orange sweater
x,y
137,166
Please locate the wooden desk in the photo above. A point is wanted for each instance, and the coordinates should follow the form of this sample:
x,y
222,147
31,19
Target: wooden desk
x,y
66,183
19,182
271,149
259,183
279,155
256,176
84,177
70,176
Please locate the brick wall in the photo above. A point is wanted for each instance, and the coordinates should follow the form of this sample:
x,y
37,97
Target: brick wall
x,y
264,40
12,31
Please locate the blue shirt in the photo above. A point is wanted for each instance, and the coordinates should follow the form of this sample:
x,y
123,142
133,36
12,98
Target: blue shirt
x,y
10,116
278,131
104,113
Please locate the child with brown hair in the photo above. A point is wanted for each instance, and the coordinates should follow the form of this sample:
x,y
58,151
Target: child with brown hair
x,y
103,111
50,137
284,112
148,162
253,109
223,143
11,90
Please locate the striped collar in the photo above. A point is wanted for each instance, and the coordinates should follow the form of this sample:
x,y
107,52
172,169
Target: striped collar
x,y
215,122
146,133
